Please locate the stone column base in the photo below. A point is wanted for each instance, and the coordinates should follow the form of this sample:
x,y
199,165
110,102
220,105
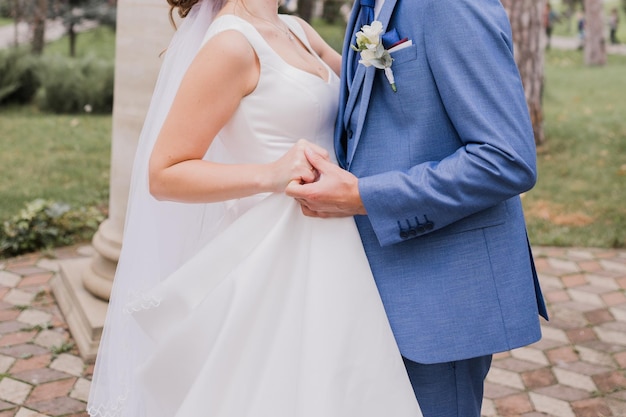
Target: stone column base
x,y
85,314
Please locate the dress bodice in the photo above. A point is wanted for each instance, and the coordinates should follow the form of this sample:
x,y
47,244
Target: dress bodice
x,y
287,104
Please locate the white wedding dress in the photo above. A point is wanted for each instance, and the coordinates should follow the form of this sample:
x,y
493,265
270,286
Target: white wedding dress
x,y
277,314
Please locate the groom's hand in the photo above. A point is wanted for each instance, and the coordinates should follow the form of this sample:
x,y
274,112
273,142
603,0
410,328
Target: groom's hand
x,y
334,194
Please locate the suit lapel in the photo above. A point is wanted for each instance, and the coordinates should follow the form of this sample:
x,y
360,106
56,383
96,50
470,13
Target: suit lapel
x,y
363,80
344,91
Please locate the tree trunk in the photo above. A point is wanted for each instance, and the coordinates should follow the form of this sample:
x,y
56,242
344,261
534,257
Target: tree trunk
x,y
595,44
71,34
526,23
305,9
39,26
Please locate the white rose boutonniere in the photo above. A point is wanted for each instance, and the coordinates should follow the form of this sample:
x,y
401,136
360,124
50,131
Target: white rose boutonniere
x,y
373,53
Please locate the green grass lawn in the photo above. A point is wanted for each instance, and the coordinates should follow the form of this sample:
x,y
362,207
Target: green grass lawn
x,y
578,200
65,158
98,42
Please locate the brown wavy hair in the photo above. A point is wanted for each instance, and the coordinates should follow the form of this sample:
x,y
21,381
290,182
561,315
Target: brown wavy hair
x,y
183,6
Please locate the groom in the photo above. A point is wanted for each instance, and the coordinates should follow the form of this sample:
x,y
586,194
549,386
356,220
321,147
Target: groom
x,y
433,173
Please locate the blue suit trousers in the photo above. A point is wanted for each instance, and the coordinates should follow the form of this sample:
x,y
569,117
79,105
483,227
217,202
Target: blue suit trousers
x,y
449,389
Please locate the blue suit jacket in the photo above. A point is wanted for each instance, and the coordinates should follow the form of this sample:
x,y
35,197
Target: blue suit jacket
x,y
441,164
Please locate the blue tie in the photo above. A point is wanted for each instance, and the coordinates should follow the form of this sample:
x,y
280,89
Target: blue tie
x,y
366,17
367,12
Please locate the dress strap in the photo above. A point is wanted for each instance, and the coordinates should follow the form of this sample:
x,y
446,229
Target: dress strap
x,y
232,22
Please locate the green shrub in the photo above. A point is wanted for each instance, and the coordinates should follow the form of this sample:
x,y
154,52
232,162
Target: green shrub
x,y
45,224
74,86
19,76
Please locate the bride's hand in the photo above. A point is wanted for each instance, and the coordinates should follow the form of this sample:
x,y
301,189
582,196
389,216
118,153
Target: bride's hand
x,y
294,166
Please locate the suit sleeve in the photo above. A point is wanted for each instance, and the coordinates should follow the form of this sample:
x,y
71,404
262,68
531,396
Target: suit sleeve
x,y
469,51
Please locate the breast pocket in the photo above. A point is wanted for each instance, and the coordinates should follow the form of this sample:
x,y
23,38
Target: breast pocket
x,y
404,55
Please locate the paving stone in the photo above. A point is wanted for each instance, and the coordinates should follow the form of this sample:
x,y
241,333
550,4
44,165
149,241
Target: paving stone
x,y
580,254
613,266
597,353
547,344
562,355
51,265
620,358
493,391
538,378
59,406
614,298
574,380
618,407
619,313
35,362
563,265
9,314
70,364
8,279
583,306
591,407
40,376
14,391
602,281
612,333
558,296
34,317
551,406
513,404
590,266
25,350
25,412
17,338
586,368
504,377
610,381
581,335
81,389
5,406
25,269
11,326
530,354
19,297
6,362
554,334
599,316
563,392
9,413
516,365
51,338
488,409
550,282
36,280
51,390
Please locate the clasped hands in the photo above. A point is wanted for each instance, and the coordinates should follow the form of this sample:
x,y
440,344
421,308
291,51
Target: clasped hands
x,y
329,191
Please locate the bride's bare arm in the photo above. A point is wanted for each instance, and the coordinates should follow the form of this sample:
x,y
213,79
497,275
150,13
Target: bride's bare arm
x,y
225,70
324,50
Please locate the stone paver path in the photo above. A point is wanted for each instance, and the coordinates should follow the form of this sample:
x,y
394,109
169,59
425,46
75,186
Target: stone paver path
x,y
576,370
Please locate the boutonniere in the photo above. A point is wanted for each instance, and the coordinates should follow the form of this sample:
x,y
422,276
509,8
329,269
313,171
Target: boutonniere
x,y
373,52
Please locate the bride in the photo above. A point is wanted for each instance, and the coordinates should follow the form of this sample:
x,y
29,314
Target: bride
x,y
227,301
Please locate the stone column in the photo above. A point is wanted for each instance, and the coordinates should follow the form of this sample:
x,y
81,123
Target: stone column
x,y
84,285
